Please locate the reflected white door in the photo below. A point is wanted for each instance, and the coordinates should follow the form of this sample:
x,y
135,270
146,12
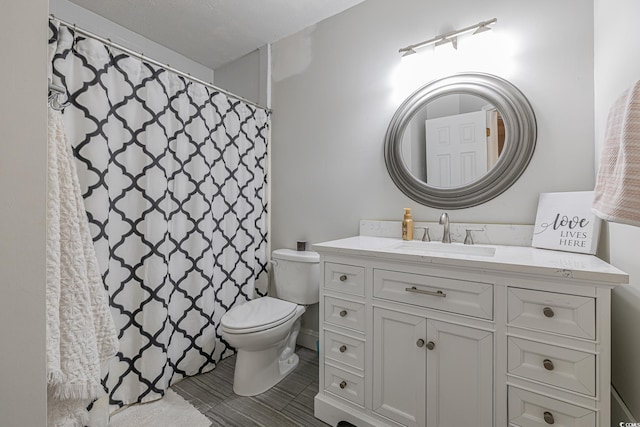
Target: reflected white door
x,y
456,149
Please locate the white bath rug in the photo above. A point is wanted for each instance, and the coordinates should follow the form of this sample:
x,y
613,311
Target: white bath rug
x,y
170,411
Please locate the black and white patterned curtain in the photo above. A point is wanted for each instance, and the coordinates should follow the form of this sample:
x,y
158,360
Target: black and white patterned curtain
x,y
174,181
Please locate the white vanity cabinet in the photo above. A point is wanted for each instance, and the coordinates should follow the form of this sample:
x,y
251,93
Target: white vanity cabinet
x,y
408,339
451,362
417,381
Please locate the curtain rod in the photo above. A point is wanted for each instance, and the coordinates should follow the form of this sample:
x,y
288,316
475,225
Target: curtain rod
x,y
130,52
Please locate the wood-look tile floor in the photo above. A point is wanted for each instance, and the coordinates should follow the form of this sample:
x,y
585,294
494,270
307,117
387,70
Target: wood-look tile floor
x,y
289,403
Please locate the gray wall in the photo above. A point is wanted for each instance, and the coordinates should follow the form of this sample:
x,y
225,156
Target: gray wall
x,y
247,76
23,123
337,84
617,67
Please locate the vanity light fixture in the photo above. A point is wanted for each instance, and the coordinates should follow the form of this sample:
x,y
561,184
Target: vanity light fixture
x,y
450,37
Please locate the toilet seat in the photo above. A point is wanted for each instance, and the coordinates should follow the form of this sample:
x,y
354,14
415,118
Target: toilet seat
x,y
257,315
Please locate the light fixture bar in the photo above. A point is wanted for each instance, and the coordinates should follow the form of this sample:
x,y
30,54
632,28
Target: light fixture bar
x,y
450,37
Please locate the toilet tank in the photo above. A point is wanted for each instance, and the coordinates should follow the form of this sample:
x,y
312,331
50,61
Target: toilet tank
x,y
296,275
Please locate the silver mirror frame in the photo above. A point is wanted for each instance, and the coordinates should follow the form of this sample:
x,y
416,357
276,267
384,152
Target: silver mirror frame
x,y
520,128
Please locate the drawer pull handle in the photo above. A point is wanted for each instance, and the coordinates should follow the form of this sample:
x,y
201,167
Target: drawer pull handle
x,y
420,291
548,365
343,313
431,345
420,343
548,312
343,385
343,278
548,417
343,348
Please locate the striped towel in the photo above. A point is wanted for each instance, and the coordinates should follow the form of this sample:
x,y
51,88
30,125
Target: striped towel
x,y
617,191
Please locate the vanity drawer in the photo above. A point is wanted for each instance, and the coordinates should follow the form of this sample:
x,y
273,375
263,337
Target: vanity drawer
x,y
558,366
527,409
344,278
350,314
457,296
571,315
345,384
344,349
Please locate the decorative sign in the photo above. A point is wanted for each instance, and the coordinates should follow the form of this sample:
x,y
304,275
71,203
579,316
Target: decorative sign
x,y
565,222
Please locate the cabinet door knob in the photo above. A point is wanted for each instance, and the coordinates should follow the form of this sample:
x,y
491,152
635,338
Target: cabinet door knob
x,y
548,312
343,278
548,365
548,417
343,348
431,345
420,343
343,313
343,385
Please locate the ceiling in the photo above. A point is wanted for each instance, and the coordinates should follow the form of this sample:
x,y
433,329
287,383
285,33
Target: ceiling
x,y
215,32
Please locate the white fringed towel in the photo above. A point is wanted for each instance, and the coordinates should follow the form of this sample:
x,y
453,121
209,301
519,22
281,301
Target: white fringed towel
x,y
617,191
80,330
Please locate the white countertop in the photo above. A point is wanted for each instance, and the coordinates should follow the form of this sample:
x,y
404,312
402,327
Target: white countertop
x,y
515,259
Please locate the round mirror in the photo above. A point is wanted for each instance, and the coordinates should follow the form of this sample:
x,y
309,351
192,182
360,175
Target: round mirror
x,y
460,141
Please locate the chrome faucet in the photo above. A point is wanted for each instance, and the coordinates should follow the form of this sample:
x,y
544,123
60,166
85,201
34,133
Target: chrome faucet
x,y
446,235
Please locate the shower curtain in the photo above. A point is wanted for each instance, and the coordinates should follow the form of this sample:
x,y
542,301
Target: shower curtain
x,y
173,176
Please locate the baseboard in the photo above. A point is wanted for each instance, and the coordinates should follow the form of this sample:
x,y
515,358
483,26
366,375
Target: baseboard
x,y
619,411
308,338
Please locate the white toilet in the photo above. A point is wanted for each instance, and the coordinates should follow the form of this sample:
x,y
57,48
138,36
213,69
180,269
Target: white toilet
x,y
264,330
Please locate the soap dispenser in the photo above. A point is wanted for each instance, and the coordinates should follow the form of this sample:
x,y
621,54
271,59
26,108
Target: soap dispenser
x,y
407,225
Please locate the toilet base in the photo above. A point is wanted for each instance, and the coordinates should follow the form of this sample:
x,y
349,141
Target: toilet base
x,y
258,371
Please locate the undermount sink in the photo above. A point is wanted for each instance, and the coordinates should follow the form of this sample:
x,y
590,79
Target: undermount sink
x,y
444,248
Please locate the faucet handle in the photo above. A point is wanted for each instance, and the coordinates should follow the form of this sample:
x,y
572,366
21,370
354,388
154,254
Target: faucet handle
x,y
468,240
425,235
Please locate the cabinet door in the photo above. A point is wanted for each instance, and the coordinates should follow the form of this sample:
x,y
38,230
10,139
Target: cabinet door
x,y
459,376
399,366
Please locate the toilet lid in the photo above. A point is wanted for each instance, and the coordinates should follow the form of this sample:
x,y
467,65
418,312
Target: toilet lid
x,y
257,315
